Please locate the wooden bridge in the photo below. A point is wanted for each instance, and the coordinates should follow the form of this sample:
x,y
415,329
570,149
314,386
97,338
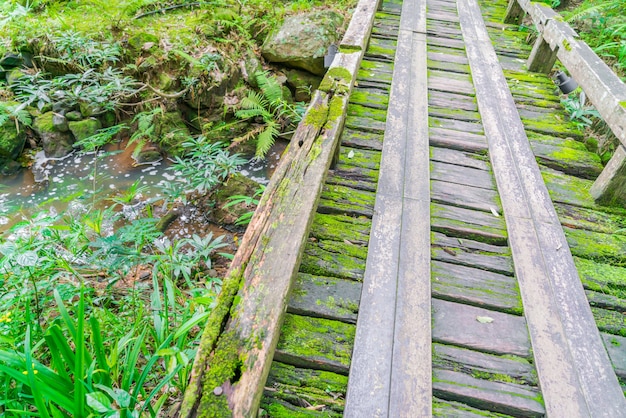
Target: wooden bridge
x,y
429,245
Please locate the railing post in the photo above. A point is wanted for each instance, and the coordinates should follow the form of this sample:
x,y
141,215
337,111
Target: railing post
x,y
542,57
514,13
610,186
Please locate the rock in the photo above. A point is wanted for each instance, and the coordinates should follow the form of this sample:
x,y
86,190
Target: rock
x,y
73,116
171,131
237,184
212,95
84,128
60,122
108,119
143,42
55,144
148,155
12,140
302,41
87,110
303,84
166,81
14,75
11,60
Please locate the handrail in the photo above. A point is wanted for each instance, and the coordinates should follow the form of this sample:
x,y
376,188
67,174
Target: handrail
x,y
237,347
602,86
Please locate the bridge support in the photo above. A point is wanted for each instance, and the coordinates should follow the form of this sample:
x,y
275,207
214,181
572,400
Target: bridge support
x,y
542,57
610,187
514,13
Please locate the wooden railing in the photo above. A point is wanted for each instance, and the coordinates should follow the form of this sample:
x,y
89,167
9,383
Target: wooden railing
x,y
238,343
601,85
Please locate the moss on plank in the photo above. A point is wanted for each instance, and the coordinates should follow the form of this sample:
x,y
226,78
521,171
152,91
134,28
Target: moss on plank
x,y
610,321
340,227
601,277
597,246
317,339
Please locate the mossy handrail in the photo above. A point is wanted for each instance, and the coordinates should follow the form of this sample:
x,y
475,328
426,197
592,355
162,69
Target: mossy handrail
x,y
237,347
601,85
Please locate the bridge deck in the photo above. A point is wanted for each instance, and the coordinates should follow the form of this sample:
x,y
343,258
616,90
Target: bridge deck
x,y
438,278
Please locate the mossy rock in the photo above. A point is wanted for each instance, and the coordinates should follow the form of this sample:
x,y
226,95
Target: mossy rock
x,y
303,84
84,128
55,144
171,131
142,42
14,75
236,185
12,140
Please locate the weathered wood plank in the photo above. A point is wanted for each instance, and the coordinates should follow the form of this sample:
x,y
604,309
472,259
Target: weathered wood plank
x,y
468,253
325,297
616,347
363,140
468,224
465,196
339,227
457,324
343,200
320,262
452,100
471,286
465,159
461,126
583,164
506,398
452,173
567,347
497,368
457,140
315,343
353,177
448,409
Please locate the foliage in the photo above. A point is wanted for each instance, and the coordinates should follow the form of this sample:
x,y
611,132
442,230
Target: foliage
x,y
247,201
273,110
16,112
580,113
203,166
101,90
601,25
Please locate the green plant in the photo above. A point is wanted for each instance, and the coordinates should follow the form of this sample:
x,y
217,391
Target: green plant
x,y
247,201
579,112
16,112
146,125
202,166
274,112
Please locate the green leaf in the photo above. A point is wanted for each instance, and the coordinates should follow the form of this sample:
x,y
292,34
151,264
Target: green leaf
x,y
99,402
27,259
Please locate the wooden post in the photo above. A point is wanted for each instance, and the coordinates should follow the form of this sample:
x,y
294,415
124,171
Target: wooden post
x,y
514,13
610,187
542,57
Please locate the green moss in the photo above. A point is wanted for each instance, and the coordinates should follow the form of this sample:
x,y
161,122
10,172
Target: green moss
x,y
44,123
316,339
601,277
610,321
317,116
348,49
337,79
212,330
83,129
566,45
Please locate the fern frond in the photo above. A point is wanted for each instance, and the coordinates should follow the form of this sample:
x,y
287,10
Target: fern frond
x,y
585,11
265,140
269,86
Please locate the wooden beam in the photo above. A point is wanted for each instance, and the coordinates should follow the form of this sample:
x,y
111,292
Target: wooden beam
x,y
610,186
542,57
514,13
575,373
233,362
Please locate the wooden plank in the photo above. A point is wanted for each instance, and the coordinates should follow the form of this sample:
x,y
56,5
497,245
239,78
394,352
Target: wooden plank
x,y
318,261
616,347
452,173
466,253
583,164
565,340
458,140
325,297
339,228
458,101
360,26
344,200
608,188
506,398
461,158
475,287
458,324
542,57
315,343
468,224
465,196
497,368
364,140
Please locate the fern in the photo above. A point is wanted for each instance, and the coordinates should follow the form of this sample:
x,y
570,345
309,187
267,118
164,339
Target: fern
x,y
269,105
145,129
589,9
15,112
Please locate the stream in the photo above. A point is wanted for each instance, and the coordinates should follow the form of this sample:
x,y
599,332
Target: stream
x,y
56,184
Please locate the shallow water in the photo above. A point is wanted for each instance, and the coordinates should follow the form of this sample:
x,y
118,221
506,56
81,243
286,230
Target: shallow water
x,y
54,184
